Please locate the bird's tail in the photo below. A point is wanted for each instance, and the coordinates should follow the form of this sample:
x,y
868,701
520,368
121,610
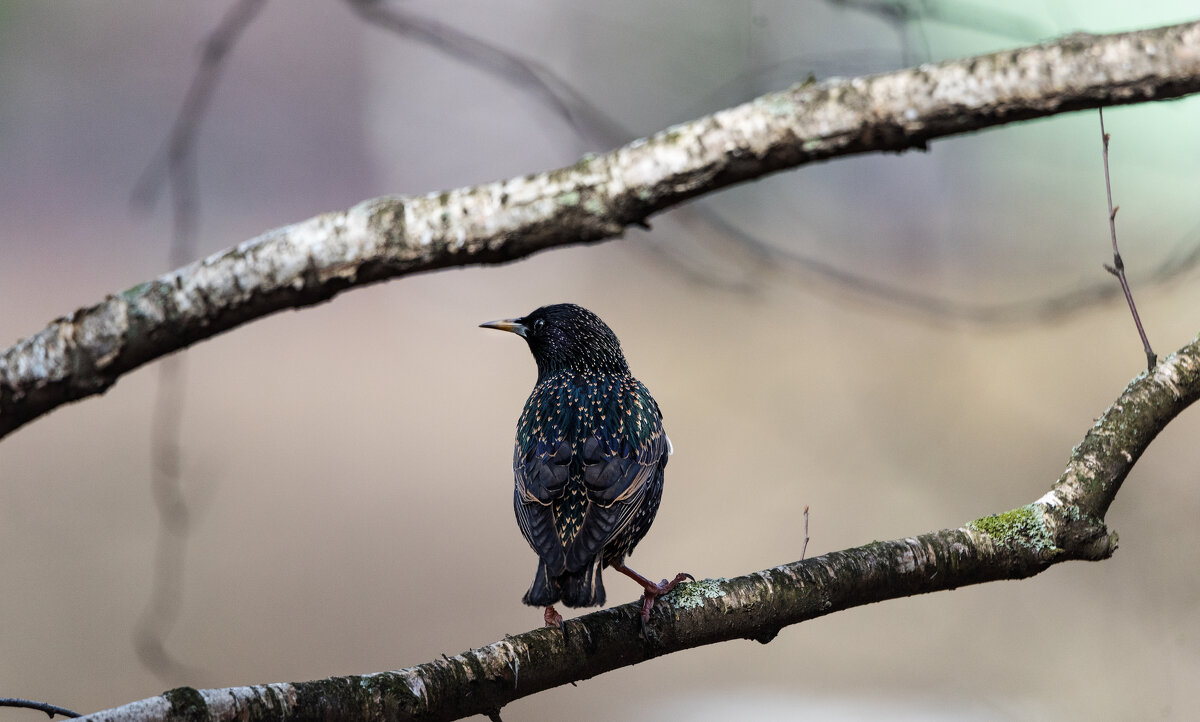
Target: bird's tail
x,y
583,588
544,590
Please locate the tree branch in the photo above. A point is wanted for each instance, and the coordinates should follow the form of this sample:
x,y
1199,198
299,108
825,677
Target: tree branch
x,y
597,198
1067,523
49,709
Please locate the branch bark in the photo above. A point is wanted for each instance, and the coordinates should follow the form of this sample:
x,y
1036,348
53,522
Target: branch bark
x,y
1066,523
85,352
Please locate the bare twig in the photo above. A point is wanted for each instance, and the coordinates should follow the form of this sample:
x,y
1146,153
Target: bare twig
x,y
1118,267
49,709
804,548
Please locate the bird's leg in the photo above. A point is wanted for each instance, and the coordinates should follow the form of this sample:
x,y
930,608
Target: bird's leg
x,y
552,617
652,591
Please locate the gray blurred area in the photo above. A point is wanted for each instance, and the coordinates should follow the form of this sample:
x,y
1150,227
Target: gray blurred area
x,y
348,466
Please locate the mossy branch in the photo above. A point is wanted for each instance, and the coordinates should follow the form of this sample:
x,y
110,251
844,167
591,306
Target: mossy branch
x,y
597,198
1066,523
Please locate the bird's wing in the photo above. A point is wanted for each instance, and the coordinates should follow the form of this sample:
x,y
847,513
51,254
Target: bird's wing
x,y
617,473
541,470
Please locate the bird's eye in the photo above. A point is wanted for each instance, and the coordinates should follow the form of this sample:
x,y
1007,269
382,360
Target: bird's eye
x,y
538,325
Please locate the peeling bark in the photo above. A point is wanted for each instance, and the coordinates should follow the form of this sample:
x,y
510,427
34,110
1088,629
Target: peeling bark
x,y
1065,524
597,198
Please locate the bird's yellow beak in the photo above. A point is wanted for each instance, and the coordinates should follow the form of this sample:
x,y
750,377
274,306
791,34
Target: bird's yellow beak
x,y
512,325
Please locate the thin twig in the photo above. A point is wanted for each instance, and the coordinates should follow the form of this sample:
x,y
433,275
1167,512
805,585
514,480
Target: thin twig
x,y
49,709
1118,267
805,547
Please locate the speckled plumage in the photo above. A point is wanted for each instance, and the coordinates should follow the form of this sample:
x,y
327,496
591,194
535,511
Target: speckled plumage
x,y
589,457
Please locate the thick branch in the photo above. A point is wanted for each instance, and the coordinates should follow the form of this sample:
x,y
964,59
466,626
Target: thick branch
x,y
84,353
1067,523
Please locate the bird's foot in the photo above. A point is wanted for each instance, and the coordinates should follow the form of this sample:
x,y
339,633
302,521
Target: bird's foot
x,y
651,591
654,591
553,618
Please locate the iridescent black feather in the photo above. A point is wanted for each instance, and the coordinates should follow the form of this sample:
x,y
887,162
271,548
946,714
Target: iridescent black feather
x,y
589,455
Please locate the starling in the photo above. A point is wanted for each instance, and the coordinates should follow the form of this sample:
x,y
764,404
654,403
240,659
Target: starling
x,y
588,462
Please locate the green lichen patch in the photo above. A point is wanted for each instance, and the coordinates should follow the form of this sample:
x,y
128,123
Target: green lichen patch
x,y
692,594
1024,527
130,295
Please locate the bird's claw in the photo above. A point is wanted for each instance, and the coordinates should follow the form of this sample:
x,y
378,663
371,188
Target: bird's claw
x,y
653,592
553,618
676,581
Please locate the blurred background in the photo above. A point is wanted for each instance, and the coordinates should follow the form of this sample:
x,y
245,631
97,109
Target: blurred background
x,y
902,343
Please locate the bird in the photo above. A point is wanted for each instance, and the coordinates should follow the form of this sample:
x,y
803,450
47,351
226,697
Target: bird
x,y
588,461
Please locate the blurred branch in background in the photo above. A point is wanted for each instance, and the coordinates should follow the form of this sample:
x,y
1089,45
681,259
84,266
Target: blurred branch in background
x,y
753,255
595,199
175,166
799,268
585,118
1065,524
901,14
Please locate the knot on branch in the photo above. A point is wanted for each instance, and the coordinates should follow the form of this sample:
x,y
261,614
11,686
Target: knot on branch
x,y
1082,536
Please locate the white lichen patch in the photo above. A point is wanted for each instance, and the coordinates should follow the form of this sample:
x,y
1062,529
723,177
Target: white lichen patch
x,y
693,594
1049,499
1167,375
103,330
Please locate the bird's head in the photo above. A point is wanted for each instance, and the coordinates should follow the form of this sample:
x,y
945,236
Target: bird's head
x,y
567,337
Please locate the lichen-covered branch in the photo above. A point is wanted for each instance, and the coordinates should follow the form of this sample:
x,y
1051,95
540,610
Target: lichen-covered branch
x,y
85,352
1067,523
1100,463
